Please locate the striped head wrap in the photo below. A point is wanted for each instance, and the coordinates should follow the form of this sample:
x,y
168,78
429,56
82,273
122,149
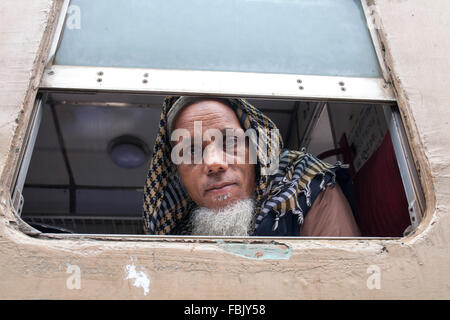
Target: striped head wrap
x,y
281,194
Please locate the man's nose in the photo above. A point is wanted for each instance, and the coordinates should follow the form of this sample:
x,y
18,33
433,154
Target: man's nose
x,y
214,160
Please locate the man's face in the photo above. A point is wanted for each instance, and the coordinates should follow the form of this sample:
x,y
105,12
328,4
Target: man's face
x,y
219,180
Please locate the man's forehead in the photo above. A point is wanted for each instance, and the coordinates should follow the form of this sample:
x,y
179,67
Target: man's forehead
x,y
210,114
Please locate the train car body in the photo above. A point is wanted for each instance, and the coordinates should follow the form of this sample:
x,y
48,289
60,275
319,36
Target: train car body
x,y
414,47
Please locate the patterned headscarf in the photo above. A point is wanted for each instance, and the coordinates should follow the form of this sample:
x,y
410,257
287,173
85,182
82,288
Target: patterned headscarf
x,y
287,193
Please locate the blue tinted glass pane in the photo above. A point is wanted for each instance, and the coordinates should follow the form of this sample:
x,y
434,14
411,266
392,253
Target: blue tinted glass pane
x,y
317,37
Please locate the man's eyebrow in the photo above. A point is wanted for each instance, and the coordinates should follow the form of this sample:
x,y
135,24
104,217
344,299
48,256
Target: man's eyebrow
x,y
224,130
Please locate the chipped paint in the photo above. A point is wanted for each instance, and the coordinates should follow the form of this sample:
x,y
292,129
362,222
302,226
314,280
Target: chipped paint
x,y
141,280
270,251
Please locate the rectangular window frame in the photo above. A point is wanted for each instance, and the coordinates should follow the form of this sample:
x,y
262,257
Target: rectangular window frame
x,y
185,82
409,177
239,84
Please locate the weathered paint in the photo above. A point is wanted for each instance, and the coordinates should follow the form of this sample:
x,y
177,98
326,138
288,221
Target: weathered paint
x,y
416,43
271,251
141,280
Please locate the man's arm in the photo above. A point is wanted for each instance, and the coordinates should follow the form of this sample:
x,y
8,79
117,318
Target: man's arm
x,y
330,215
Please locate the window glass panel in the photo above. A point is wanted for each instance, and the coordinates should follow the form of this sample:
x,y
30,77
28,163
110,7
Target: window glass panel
x,y
316,37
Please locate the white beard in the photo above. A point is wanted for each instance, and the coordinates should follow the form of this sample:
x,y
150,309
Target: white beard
x,y
233,220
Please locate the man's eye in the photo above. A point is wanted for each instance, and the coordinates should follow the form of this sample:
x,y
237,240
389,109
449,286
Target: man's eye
x,y
230,144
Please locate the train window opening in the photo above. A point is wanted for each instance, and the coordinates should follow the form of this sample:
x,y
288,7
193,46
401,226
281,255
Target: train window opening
x,y
74,184
317,71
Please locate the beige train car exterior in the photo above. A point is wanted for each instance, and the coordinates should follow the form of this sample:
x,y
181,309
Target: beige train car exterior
x,y
415,35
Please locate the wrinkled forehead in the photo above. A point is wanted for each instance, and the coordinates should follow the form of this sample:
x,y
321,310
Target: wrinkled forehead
x,y
209,113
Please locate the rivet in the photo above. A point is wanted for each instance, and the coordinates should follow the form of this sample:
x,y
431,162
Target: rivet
x,y
99,80
145,75
144,81
299,80
301,87
343,88
100,73
341,83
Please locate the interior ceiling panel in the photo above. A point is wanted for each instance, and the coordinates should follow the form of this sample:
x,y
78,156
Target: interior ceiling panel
x,y
88,130
47,167
344,116
97,169
282,121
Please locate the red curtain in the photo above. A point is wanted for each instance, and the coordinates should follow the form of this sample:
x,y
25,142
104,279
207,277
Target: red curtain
x,y
379,195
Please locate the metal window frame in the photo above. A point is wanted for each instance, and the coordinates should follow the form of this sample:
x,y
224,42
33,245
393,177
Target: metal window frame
x,y
372,20
410,179
58,32
217,83
17,199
